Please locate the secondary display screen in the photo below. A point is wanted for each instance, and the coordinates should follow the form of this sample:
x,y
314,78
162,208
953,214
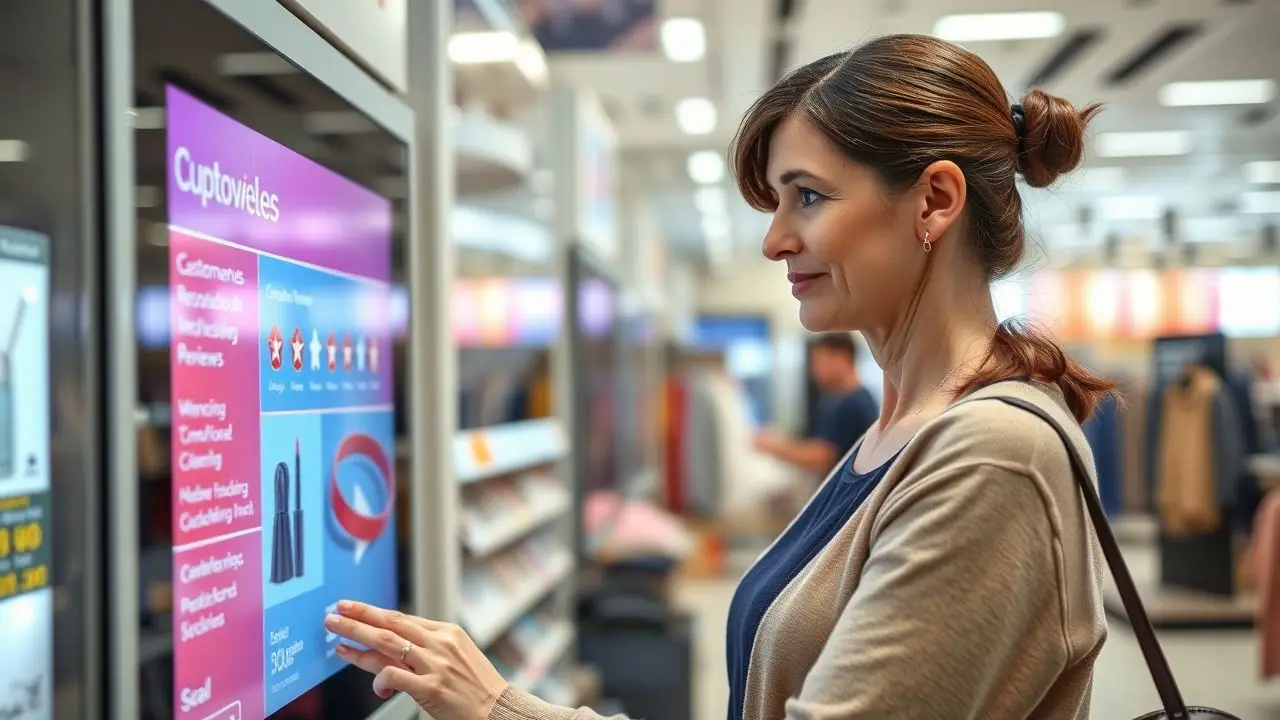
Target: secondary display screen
x,y
26,595
283,423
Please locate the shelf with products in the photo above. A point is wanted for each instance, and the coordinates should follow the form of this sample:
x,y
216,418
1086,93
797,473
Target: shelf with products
x,y
500,512
498,450
533,647
498,590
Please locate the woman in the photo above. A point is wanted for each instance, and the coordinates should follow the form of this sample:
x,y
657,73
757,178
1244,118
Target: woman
x,y
946,568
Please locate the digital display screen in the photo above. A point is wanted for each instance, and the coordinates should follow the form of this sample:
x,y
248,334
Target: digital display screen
x,y
26,598
283,423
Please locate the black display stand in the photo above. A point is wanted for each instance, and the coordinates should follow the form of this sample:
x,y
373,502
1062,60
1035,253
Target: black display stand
x,y
1206,561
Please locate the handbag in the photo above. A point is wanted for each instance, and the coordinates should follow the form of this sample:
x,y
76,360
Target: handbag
x,y
1161,675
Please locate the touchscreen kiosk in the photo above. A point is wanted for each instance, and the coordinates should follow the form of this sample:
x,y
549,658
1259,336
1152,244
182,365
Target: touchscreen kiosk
x,y
26,599
283,424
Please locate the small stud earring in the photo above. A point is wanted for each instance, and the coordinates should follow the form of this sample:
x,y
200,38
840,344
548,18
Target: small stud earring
x,y
927,245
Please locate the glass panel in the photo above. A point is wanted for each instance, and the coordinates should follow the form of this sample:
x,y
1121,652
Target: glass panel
x,y
271,359
45,420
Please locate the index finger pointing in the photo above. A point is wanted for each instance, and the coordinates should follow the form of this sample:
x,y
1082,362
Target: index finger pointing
x,y
389,619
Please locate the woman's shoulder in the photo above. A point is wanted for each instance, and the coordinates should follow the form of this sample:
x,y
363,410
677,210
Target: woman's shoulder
x,y
981,429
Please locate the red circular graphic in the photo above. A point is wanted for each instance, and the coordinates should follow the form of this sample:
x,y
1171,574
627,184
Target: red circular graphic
x,y
359,525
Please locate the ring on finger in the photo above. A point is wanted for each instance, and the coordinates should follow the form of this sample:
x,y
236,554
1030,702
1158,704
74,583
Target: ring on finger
x,y
404,653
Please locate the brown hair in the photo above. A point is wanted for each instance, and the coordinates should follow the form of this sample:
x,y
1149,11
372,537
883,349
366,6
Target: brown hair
x,y
901,102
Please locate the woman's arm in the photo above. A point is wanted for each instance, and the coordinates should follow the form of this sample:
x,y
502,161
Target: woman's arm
x,y
959,611
516,705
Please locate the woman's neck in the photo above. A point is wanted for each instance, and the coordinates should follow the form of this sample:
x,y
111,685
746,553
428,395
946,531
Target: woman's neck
x,y
926,356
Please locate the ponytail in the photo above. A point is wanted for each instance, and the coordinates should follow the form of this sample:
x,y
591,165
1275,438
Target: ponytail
x,y
1018,350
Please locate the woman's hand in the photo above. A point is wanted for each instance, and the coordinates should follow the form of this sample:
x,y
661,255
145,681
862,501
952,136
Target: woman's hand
x,y
435,663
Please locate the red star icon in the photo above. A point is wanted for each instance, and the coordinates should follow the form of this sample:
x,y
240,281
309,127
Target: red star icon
x,y
346,353
373,355
275,342
295,344
331,348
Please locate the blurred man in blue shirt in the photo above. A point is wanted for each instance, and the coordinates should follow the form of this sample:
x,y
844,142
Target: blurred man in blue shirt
x,y
846,409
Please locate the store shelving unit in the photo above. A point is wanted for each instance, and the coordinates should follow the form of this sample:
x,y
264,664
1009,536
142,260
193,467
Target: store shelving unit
x,y
516,556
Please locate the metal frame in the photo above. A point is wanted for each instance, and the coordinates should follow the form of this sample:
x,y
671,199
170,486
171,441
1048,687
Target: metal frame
x,y
430,366
433,385
121,357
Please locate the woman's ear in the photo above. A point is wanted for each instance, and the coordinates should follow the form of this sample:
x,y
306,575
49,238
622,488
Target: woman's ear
x,y
944,191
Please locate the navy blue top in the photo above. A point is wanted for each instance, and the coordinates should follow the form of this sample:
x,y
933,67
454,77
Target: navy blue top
x,y
842,419
830,509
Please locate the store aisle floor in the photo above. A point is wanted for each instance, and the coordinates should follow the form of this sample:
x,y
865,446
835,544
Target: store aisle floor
x,y
1213,668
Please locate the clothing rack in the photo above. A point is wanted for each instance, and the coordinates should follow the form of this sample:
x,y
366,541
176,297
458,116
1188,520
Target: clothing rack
x,y
1201,561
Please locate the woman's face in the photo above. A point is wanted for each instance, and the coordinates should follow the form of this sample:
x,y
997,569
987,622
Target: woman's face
x,y
852,255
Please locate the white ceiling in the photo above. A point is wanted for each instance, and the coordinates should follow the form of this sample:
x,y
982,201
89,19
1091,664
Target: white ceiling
x,y
1236,40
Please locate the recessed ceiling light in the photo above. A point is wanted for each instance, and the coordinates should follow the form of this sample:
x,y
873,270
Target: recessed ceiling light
x,y
1143,144
1262,172
14,151
706,167
1260,202
696,116
999,26
683,39
1218,92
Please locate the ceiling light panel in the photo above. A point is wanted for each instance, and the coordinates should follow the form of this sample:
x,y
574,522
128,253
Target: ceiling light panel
x,y
477,48
706,167
1262,172
683,39
1143,144
696,116
1219,92
999,26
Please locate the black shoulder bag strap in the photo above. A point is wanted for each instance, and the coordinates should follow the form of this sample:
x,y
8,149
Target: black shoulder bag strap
x,y
1166,686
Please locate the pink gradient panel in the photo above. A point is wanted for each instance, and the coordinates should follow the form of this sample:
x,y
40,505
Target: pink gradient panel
x,y
217,609
215,420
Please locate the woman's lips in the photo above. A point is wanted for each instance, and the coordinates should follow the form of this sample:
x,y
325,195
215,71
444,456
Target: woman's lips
x,y
802,282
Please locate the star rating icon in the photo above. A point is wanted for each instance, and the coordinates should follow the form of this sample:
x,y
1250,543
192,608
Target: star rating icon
x,y
361,349
315,348
373,355
295,344
275,344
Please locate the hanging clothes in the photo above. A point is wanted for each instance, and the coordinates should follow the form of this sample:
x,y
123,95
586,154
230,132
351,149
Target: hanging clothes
x,y
1266,549
1102,430
1187,487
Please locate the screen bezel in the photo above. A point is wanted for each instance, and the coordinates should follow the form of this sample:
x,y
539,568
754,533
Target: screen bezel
x,y
274,30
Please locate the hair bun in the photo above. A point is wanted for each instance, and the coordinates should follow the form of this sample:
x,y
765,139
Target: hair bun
x,y
1053,137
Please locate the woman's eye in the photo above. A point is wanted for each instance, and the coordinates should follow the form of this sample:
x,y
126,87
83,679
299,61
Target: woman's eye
x,y
808,197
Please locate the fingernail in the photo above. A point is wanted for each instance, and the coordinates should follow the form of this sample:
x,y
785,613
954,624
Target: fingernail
x,y
343,650
345,605
331,620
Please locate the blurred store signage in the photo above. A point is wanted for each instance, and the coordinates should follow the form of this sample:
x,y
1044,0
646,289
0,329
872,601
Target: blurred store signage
x,y
1118,305
374,31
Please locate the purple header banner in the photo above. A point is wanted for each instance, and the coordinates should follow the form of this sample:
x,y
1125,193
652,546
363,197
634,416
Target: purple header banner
x,y
236,185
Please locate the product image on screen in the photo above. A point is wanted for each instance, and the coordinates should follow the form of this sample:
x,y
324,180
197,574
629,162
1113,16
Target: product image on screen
x,y
283,423
26,598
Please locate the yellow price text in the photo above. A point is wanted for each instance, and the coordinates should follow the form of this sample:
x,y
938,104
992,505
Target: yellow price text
x,y
24,538
24,581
